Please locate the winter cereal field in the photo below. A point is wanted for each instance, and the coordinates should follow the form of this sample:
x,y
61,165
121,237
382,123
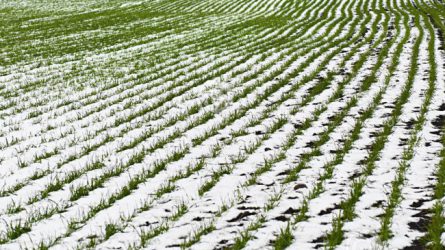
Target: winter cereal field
x,y
222,124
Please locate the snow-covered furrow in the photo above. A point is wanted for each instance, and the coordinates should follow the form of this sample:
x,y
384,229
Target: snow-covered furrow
x,y
114,114
375,193
324,208
270,182
109,58
410,216
118,55
100,106
270,34
147,143
337,193
66,68
186,185
258,161
180,124
123,140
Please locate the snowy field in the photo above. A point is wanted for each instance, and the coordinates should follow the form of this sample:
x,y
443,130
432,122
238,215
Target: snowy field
x,y
222,124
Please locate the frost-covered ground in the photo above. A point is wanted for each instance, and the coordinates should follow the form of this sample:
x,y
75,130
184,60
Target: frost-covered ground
x,y
256,124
